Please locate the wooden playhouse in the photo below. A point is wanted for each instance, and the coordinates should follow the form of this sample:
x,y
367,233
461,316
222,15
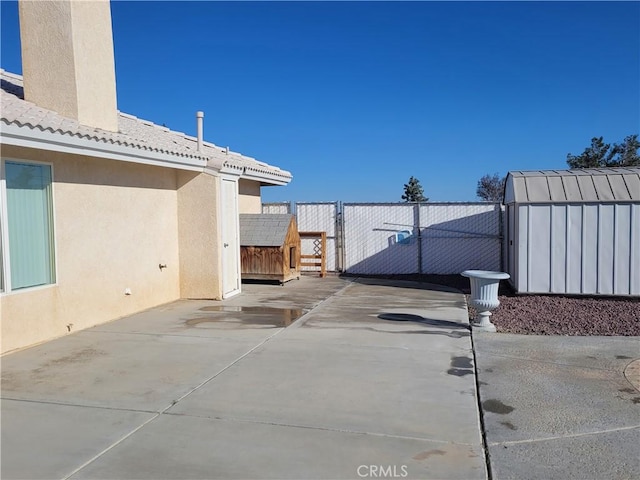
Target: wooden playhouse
x,y
269,247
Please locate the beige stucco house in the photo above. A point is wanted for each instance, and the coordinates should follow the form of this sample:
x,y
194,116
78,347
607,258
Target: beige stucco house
x,y
103,214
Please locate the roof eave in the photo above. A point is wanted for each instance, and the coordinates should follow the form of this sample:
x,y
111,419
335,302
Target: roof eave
x,y
267,178
24,136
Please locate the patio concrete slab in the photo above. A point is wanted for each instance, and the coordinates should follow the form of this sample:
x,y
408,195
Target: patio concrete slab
x,y
115,370
45,440
391,391
606,455
234,394
559,407
193,448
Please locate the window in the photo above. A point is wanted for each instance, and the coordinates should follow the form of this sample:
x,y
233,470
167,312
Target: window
x,y
27,227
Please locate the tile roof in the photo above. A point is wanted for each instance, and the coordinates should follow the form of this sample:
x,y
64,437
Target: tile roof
x,y
264,230
616,184
132,132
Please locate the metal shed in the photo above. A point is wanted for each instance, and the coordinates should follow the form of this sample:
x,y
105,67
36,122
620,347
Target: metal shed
x,y
269,247
574,231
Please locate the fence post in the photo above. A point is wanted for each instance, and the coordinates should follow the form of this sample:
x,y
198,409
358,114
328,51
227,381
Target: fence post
x,y
416,220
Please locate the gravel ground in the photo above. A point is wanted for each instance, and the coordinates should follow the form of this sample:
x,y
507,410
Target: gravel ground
x,y
551,314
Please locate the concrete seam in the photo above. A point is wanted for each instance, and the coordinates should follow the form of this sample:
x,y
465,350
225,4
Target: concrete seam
x,y
532,360
483,430
113,445
562,437
80,405
221,371
176,335
302,320
325,429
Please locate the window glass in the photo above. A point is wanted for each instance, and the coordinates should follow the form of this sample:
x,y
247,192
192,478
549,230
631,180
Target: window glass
x,y
1,258
29,224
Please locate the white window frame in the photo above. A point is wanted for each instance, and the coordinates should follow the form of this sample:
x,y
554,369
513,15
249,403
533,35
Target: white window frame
x,y
5,264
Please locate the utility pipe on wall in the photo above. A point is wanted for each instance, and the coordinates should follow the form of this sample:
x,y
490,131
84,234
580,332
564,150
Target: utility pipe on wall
x,y
199,122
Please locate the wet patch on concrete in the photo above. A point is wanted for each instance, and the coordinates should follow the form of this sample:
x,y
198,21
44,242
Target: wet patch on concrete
x,y
509,425
428,453
496,406
451,334
81,356
246,316
460,366
623,357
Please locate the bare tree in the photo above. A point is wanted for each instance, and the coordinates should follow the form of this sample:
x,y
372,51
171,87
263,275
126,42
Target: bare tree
x,y
491,188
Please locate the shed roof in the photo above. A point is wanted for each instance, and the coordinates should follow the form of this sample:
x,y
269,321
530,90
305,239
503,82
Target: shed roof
x,y
135,136
264,230
619,184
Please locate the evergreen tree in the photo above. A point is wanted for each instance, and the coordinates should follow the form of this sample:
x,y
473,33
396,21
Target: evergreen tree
x,y
600,154
413,191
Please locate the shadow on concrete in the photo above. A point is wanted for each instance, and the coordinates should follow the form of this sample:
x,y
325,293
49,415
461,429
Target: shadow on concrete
x,y
452,283
407,317
401,281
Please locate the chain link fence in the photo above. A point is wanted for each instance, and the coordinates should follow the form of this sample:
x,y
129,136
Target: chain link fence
x,y
401,238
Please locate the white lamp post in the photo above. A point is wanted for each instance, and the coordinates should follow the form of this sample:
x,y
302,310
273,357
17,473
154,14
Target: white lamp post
x,y
484,296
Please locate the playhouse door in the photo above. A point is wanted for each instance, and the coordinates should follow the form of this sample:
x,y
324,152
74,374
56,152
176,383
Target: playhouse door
x,y
230,239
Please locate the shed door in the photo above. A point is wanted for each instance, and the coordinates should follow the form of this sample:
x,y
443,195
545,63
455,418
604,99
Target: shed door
x,y
230,239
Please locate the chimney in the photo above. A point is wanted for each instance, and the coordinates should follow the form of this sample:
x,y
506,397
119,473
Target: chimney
x,y
67,59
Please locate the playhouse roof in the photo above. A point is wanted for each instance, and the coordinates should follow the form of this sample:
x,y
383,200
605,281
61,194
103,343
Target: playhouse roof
x,y
620,184
264,230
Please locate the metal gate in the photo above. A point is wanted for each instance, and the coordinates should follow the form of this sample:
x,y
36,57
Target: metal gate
x,y
320,217
435,238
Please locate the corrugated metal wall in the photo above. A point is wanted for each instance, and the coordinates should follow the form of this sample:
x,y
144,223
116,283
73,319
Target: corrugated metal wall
x,y
589,248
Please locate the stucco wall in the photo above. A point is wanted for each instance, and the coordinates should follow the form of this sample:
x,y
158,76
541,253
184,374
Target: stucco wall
x,y
249,200
115,223
198,228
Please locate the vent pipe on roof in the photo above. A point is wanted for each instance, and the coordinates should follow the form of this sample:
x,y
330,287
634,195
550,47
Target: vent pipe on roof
x,y
199,121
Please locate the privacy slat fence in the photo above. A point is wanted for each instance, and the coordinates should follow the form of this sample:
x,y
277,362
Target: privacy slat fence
x,y
401,238
435,238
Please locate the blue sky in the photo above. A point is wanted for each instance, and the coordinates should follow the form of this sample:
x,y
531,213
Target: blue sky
x,y
355,97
